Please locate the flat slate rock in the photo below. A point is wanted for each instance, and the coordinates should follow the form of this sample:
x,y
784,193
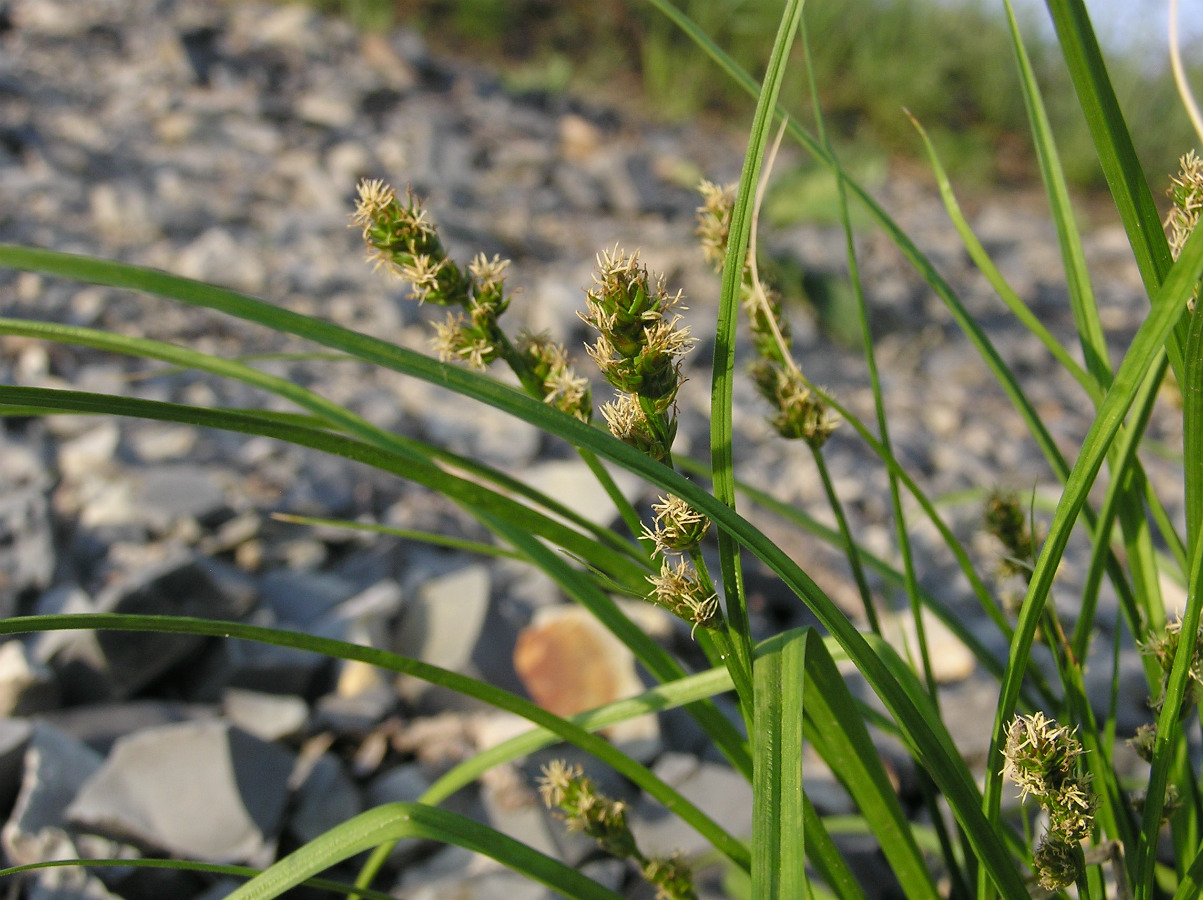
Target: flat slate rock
x,y
203,790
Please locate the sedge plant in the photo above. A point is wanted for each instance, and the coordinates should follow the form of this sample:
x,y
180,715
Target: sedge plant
x,y
1083,831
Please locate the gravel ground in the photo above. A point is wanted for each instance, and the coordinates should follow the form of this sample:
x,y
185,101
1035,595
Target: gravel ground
x,y
224,142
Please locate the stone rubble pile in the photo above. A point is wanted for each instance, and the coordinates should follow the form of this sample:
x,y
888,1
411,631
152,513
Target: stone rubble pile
x,y
223,142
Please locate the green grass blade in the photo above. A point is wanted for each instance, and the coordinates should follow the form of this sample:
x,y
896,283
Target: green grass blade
x,y
516,522
837,732
723,370
417,470
1140,616
778,836
825,856
948,771
661,698
1168,750
396,821
323,884
986,265
1077,277
424,537
1116,153
1168,309
723,842
1192,429
331,414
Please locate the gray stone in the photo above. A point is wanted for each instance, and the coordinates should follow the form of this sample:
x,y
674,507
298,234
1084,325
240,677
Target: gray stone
x,y
26,548
56,767
402,784
165,494
123,663
572,484
325,798
444,621
717,790
14,738
472,429
354,715
269,717
26,686
205,790
99,725
302,598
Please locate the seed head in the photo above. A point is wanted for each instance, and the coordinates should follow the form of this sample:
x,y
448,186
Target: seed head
x,y
1057,861
629,423
714,221
459,338
679,591
798,413
1144,741
639,341
1044,760
1005,519
1186,192
1163,648
562,387
678,527
575,797
671,876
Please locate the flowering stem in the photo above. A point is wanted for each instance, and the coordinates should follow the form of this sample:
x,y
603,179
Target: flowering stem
x,y
741,675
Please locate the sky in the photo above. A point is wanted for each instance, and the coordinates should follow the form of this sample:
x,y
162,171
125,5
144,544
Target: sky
x,y
1122,23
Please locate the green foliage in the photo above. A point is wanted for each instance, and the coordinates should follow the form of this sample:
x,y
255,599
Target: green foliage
x,y
789,691
965,92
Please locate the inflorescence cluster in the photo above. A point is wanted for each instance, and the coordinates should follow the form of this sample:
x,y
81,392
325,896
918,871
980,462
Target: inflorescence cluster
x,y
1186,194
798,413
1044,759
575,798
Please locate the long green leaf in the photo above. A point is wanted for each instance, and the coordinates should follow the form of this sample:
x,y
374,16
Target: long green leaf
x,y
840,736
1117,155
658,699
778,812
1077,277
723,368
396,821
1168,309
519,524
323,884
948,770
252,422
494,696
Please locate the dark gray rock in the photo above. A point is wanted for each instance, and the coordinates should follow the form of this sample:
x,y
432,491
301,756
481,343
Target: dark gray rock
x,y
26,686
325,797
56,767
27,554
300,598
99,725
14,738
205,790
114,665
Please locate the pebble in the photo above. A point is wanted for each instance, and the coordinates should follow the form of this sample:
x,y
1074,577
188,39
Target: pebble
x,y
206,790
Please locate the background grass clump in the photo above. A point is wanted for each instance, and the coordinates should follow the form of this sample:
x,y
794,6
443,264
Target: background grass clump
x,y
964,90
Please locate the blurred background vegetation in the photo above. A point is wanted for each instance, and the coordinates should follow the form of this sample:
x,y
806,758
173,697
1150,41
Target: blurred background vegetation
x,y
949,63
